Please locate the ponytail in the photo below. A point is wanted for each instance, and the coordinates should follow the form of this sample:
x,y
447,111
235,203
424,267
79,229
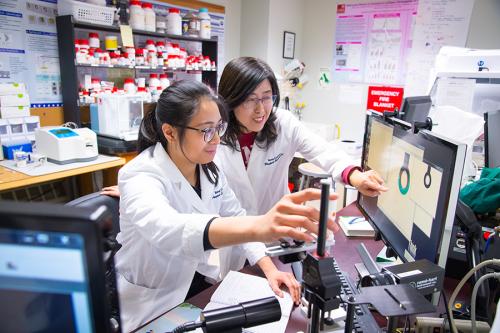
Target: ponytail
x,y
149,133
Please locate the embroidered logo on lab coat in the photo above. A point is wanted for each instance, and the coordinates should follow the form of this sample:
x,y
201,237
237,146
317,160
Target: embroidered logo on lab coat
x,y
273,160
217,193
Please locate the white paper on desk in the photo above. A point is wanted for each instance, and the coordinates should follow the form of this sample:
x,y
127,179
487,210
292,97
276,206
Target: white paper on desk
x,y
239,287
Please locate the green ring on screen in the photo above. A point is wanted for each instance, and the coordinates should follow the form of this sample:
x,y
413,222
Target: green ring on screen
x,y
405,189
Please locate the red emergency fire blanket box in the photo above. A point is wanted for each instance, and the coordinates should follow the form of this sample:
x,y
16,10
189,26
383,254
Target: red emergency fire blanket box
x,y
382,99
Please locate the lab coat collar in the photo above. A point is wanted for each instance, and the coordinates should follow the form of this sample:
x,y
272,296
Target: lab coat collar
x,y
172,172
245,173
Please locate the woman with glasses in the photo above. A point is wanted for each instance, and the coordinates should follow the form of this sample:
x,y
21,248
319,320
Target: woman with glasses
x,y
261,140
176,207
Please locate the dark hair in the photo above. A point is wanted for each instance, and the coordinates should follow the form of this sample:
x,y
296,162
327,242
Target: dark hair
x,y
239,79
177,105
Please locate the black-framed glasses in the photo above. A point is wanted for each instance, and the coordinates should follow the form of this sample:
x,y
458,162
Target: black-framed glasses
x,y
209,132
253,102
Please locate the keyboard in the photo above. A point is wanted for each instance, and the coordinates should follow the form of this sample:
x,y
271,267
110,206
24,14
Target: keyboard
x,y
363,320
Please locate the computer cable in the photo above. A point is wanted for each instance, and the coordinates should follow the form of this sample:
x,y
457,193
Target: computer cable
x,y
495,275
447,313
496,262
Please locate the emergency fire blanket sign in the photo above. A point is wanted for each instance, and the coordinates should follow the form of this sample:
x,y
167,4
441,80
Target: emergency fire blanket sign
x,y
382,99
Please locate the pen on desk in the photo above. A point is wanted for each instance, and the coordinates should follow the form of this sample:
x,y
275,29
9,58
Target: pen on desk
x,y
356,220
401,305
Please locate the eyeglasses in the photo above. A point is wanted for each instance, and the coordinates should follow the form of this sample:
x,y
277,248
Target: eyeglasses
x,y
209,132
253,102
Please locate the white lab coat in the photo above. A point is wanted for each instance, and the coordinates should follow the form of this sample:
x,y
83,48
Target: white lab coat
x,y
162,221
265,181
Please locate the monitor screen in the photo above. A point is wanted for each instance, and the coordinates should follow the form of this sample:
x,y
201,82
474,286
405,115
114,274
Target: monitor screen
x,y
423,173
416,108
492,139
51,270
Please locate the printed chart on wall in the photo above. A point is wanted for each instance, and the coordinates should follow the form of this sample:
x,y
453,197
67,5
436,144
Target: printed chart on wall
x,y
217,30
372,41
28,36
438,23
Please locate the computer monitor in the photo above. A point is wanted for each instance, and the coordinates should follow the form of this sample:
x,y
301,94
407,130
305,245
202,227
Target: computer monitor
x,y
423,173
415,108
52,276
492,139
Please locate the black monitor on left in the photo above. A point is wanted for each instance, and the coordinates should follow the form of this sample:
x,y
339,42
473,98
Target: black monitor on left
x,y
52,276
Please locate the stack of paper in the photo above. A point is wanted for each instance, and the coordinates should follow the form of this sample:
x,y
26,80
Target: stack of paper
x,y
239,287
356,226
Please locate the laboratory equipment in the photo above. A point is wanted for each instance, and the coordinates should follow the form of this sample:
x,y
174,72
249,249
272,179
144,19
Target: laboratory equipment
x,y
232,319
415,109
118,116
423,173
63,145
52,275
492,139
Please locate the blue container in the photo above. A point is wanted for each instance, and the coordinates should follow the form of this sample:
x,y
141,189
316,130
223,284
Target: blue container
x,y
9,149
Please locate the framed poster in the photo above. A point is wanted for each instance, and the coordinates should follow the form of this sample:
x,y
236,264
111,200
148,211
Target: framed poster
x,y
288,45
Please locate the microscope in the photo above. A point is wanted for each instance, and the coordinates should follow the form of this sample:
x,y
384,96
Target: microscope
x,y
325,288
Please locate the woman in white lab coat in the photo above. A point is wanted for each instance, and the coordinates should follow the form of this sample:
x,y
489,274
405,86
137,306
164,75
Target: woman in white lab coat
x,y
176,206
261,140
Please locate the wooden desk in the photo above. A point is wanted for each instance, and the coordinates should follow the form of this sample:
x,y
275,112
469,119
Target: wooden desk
x,y
10,179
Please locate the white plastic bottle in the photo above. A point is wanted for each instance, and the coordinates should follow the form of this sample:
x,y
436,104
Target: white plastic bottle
x,y
149,17
164,81
205,27
137,18
174,21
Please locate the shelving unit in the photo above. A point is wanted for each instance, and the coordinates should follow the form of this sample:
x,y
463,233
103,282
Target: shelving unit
x,y
68,29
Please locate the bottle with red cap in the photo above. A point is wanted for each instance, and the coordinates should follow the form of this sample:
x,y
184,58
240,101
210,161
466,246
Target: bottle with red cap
x,y
150,45
174,21
139,57
153,81
149,17
94,40
137,19
129,86
164,81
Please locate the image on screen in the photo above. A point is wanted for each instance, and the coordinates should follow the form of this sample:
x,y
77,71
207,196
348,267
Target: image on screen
x,y
43,279
418,170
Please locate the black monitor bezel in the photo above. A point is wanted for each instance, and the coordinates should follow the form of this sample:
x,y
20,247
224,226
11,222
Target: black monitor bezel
x,y
486,137
59,218
408,101
442,248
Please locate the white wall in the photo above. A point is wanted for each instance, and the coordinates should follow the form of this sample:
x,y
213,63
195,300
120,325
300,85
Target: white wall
x,y
286,15
262,25
254,28
317,50
232,27
484,25
327,106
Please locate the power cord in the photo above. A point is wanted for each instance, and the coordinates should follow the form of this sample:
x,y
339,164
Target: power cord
x,y
447,309
474,295
496,262
186,327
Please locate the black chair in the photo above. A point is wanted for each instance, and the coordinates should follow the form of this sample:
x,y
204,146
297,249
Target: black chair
x,y
110,228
